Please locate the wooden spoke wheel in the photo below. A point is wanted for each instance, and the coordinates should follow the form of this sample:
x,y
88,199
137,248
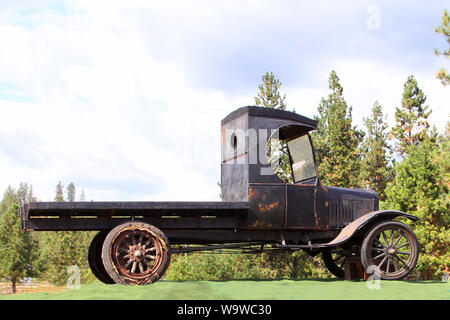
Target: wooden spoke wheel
x,y
392,247
334,259
135,253
95,258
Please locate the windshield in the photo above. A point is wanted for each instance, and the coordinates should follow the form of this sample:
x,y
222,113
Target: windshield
x,y
301,153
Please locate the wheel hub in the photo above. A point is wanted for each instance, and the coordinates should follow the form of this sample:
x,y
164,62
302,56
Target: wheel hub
x,y
390,251
137,252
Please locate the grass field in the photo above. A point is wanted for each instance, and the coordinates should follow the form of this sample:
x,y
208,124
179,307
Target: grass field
x,y
249,290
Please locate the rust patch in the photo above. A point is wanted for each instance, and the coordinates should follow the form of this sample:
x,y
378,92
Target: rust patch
x,y
252,193
267,207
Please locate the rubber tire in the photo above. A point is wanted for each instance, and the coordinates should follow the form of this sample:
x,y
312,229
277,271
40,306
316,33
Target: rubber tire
x,y
368,239
115,274
331,266
95,258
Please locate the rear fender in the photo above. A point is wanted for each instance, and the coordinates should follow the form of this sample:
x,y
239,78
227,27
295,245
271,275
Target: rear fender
x,y
362,224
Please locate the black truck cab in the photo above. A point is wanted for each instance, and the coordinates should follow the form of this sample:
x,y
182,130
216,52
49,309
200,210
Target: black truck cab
x,y
294,199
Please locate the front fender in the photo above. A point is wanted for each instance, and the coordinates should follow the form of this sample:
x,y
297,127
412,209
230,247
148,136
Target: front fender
x,y
362,223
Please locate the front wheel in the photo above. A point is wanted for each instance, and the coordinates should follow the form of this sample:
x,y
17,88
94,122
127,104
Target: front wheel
x,y
391,248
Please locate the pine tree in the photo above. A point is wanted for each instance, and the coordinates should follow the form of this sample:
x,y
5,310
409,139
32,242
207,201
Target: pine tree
x,y
444,29
59,192
411,120
421,188
10,197
375,170
336,140
268,94
30,196
62,249
269,97
71,192
18,251
82,195
22,192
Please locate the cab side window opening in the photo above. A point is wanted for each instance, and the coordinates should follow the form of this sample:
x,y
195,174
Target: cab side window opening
x,y
292,159
279,160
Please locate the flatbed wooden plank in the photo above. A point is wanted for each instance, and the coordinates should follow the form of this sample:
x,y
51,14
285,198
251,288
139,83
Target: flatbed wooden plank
x,y
129,208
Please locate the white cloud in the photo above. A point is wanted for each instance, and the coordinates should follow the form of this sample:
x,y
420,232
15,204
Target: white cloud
x,y
105,109
115,108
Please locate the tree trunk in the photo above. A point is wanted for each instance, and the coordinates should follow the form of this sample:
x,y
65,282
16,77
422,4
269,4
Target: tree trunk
x,y
295,268
13,286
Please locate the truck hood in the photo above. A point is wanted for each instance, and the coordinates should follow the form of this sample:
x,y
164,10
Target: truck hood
x,y
348,204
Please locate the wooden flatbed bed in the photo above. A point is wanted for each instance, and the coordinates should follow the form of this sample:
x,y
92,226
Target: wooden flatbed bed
x,y
65,216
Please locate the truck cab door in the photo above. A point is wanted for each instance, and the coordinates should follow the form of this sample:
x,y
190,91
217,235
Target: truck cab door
x,y
305,197
300,206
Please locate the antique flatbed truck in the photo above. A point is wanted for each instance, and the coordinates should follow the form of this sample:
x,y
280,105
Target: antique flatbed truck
x,y
259,212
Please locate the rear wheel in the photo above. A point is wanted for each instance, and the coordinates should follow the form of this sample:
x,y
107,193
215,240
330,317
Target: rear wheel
x,y
392,248
334,259
136,253
95,258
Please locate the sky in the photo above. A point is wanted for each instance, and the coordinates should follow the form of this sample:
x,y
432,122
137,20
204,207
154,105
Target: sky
x,y
125,98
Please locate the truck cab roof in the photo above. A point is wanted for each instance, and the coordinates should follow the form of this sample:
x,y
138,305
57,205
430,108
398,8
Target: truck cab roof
x,y
255,111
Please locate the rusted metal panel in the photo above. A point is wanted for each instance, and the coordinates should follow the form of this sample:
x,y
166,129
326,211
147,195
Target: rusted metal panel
x,y
267,205
300,206
234,142
234,164
340,213
322,208
234,182
346,205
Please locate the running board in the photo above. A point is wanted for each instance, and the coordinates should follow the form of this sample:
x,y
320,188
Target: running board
x,y
301,246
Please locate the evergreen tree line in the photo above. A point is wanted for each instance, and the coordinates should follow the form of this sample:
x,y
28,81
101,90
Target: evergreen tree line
x,y
43,255
407,165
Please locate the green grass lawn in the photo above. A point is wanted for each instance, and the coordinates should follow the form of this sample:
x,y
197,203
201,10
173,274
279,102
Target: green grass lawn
x,y
258,290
